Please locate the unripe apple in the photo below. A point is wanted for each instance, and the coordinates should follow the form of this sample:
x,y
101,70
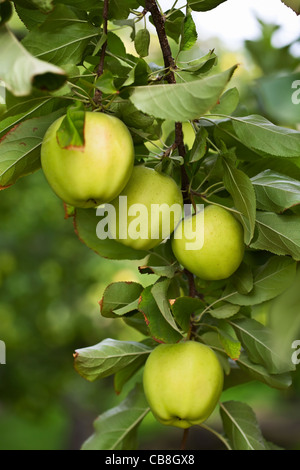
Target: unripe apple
x,y
148,217
95,174
223,244
182,383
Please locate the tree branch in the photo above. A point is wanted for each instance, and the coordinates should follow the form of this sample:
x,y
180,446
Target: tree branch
x,y
98,93
159,23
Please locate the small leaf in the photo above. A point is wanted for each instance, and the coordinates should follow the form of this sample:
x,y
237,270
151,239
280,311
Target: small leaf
x,y
189,33
226,311
241,427
199,148
142,42
108,357
105,83
183,308
116,429
204,5
239,185
70,135
227,103
160,330
160,294
120,298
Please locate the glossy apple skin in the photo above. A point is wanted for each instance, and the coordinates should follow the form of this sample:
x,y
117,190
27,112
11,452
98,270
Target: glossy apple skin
x,y
97,173
223,248
182,383
146,186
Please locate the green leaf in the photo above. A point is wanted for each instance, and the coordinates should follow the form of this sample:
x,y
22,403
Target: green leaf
x,y
182,101
225,311
279,234
116,429
142,42
62,38
105,83
120,9
270,280
259,134
173,24
239,185
204,5
189,33
20,148
183,308
227,103
120,298
160,330
125,374
293,4
241,427
160,294
276,192
199,148
70,135
31,73
107,358
6,12
85,222
229,341
260,373
258,341
243,279
43,5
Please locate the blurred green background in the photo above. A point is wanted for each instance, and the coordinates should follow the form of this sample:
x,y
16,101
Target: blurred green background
x,y
50,286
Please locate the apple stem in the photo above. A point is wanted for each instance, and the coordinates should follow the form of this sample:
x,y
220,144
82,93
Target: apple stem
x,y
184,439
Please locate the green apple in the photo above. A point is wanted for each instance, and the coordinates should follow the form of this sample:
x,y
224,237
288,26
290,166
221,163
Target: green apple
x,y
294,4
95,174
222,249
148,209
182,383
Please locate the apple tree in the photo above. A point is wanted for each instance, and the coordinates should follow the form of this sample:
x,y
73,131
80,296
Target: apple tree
x,y
186,124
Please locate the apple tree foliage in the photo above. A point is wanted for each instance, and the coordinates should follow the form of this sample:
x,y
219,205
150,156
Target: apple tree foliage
x,y
73,59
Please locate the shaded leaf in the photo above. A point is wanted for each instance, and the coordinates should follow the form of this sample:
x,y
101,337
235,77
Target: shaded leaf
x,y
241,427
279,234
31,73
116,429
108,357
182,101
276,192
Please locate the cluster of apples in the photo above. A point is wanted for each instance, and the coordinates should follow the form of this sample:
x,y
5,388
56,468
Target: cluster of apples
x,y
183,381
